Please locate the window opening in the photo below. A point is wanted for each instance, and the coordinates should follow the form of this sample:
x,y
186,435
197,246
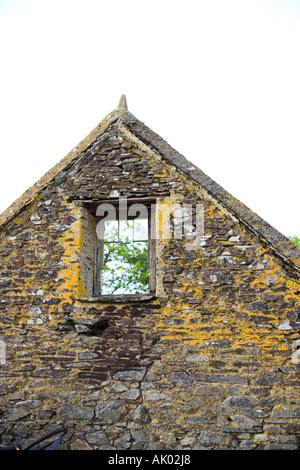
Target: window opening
x,y
124,254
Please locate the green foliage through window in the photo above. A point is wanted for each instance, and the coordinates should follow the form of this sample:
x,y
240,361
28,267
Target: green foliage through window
x,y
295,240
125,264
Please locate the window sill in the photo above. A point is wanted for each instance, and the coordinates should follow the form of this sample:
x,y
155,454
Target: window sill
x,y
118,299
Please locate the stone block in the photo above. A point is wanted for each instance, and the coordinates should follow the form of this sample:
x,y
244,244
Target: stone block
x,y
109,411
180,377
140,415
135,375
75,412
97,438
268,379
288,412
240,402
214,439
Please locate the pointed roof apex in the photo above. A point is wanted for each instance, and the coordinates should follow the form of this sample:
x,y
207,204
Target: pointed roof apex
x,y
282,247
123,104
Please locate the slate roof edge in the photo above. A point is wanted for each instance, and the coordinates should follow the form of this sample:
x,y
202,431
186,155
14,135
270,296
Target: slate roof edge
x,y
284,247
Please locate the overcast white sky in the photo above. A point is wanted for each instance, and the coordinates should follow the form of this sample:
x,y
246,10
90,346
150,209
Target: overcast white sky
x,y
218,79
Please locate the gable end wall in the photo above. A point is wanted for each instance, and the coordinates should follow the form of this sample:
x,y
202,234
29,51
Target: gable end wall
x,y
211,363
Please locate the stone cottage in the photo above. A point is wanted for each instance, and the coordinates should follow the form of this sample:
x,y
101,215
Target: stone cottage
x,y
199,351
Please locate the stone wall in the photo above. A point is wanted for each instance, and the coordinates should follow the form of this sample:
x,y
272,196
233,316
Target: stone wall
x,y
211,363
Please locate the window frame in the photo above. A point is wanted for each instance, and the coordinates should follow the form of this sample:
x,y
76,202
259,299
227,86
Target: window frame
x,y
150,205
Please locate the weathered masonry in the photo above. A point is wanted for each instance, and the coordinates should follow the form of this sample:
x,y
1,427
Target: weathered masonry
x,y
206,357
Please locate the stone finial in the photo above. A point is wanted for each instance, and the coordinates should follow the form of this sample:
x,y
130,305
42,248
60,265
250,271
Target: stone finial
x,y
123,104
